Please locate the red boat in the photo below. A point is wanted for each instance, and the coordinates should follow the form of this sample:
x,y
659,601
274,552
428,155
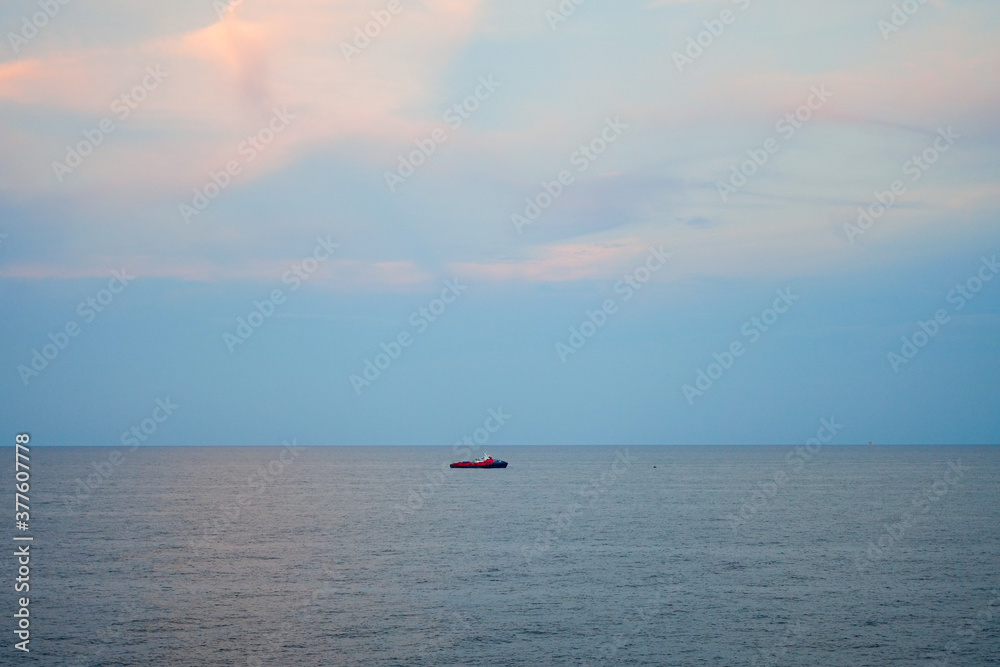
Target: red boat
x,y
486,462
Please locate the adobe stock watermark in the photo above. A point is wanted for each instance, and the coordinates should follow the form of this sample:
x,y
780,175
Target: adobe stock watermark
x,y
296,619
456,114
463,450
30,27
786,126
88,310
223,9
103,471
915,168
970,631
420,320
774,655
262,311
326,598
927,330
130,612
795,461
257,484
753,329
714,28
581,158
247,150
363,35
899,17
561,521
921,503
562,12
630,283
645,615
122,108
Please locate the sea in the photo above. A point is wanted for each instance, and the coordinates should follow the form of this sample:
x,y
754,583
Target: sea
x,y
631,555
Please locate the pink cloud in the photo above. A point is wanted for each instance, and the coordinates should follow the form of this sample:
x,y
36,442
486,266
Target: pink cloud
x,y
225,79
559,263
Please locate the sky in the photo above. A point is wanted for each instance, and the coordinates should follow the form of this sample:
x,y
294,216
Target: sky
x,y
640,222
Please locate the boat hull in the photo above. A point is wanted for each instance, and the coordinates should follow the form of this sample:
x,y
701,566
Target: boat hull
x,y
470,464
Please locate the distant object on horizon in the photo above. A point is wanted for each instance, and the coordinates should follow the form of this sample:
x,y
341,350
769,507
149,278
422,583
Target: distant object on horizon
x,y
486,461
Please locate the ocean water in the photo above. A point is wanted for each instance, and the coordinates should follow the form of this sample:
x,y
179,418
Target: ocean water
x,y
570,556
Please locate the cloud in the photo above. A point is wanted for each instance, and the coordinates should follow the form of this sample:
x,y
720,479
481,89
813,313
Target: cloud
x,y
355,116
558,263
224,80
244,49
334,274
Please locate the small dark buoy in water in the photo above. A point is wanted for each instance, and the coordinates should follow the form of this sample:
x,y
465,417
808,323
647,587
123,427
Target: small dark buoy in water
x,y
654,466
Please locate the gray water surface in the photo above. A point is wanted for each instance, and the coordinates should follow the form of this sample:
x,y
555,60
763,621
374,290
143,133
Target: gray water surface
x,y
570,556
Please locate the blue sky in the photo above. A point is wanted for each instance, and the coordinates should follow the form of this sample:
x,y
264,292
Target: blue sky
x,y
836,105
